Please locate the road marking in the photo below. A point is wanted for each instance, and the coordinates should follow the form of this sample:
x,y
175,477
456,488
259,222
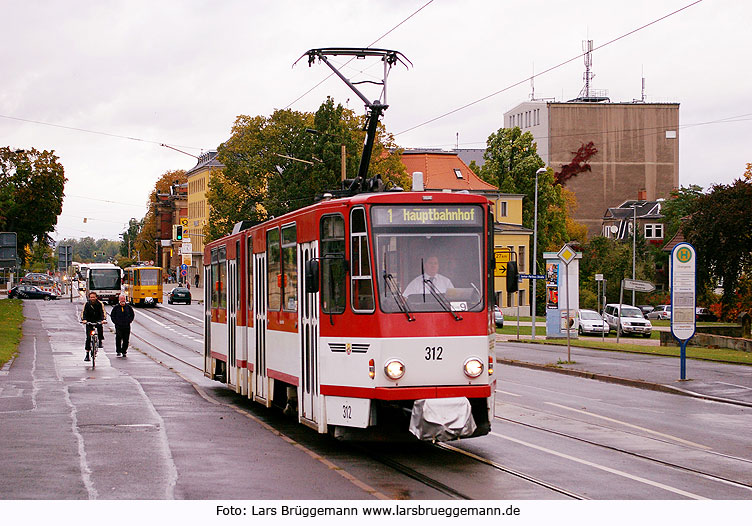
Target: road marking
x,y
604,468
621,422
183,313
507,393
734,385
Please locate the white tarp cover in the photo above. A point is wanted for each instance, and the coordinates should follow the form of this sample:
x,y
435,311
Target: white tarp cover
x,y
442,419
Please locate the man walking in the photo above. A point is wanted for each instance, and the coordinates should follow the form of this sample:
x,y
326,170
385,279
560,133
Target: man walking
x,y
122,315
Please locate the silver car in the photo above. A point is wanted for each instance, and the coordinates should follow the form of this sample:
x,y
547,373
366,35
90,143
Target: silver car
x,y
661,312
590,322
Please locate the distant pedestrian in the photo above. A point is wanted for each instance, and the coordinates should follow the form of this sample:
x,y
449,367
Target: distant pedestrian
x,y
122,316
196,279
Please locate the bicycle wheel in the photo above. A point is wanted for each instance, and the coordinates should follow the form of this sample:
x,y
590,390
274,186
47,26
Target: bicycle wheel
x,y
94,349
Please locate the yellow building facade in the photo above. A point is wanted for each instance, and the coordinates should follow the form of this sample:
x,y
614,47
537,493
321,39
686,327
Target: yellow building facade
x,y
198,211
509,234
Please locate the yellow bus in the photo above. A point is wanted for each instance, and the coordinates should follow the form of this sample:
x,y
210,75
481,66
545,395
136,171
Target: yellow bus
x,y
143,285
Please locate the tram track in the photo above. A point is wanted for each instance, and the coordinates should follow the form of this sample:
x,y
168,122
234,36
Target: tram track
x,y
454,493
641,456
154,346
158,312
513,472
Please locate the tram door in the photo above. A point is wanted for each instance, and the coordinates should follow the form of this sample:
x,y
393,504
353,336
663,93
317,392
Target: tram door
x,y
208,284
232,321
309,337
259,309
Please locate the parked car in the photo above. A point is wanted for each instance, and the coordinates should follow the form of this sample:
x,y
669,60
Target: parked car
x,y
498,317
590,322
37,278
30,292
661,312
179,295
703,314
646,309
632,320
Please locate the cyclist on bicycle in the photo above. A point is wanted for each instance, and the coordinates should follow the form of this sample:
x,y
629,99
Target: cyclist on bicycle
x,y
93,312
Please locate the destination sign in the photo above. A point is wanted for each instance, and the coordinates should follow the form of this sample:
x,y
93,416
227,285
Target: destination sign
x,y
443,215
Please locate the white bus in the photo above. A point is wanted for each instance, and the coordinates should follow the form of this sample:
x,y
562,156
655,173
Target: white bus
x,y
106,280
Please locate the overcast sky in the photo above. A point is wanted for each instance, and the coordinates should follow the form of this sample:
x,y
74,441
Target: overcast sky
x,y
179,72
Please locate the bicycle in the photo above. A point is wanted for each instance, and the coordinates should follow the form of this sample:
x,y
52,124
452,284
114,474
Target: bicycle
x,y
92,328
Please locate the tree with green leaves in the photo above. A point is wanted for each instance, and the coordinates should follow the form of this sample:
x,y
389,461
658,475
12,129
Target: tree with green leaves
x,y
511,163
276,164
678,207
129,236
31,195
719,228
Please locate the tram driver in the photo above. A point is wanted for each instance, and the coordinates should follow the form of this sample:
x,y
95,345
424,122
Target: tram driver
x,y
431,269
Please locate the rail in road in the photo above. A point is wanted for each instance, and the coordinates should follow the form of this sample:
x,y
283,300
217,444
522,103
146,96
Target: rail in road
x,y
674,467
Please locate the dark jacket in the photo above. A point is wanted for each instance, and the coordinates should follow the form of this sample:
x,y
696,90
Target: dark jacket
x,y
122,315
93,312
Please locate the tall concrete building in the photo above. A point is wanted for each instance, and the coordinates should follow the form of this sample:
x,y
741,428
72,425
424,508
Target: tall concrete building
x,y
637,143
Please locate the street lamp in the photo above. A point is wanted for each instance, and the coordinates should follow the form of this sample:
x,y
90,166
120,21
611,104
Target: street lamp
x,y
634,243
535,243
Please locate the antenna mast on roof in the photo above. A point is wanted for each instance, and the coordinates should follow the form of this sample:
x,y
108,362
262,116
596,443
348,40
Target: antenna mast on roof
x,y
643,84
587,47
532,84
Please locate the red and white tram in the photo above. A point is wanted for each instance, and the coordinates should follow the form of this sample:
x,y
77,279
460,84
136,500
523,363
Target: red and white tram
x,y
311,311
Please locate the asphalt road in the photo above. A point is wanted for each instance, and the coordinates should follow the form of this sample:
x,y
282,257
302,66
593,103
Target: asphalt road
x,y
150,426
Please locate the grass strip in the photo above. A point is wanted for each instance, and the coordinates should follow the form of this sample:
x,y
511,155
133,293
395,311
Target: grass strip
x,y
11,318
697,353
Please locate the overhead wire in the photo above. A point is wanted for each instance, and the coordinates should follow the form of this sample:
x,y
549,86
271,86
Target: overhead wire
x,y
552,68
369,45
96,132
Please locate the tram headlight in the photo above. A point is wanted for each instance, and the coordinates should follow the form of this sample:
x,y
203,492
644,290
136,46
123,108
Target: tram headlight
x,y
473,367
394,369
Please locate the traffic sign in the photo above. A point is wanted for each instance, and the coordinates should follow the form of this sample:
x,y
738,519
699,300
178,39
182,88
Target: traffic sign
x,y
639,286
599,277
184,273
566,254
501,258
184,222
184,266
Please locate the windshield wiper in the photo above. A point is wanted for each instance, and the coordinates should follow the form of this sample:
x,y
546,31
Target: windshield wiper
x,y
440,298
398,297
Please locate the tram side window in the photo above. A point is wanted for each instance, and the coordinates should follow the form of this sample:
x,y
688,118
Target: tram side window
x,y
333,270
289,269
214,280
249,263
360,266
274,271
222,286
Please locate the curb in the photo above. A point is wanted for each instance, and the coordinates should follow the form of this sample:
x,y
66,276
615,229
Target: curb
x,y
641,384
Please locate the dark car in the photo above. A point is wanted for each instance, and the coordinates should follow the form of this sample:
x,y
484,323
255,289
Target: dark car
x,y
179,295
498,317
703,314
30,292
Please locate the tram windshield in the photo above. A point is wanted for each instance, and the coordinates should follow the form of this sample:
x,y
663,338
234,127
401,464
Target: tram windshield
x,y
104,279
148,277
429,258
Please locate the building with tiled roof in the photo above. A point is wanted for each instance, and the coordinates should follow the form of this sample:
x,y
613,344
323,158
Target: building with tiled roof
x,y
444,170
617,221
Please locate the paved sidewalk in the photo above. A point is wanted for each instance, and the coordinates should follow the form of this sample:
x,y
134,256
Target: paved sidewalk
x,y
709,380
